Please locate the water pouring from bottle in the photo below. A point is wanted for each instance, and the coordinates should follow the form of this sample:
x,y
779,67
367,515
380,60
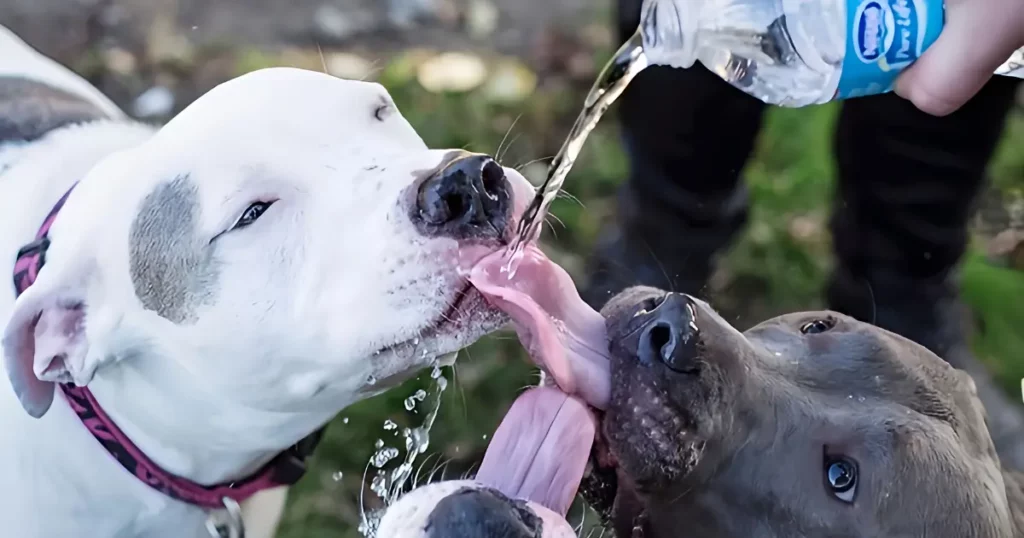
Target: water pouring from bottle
x,y
627,62
790,54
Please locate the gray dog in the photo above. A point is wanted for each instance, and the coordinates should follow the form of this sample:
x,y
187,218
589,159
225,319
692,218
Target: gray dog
x,y
809,424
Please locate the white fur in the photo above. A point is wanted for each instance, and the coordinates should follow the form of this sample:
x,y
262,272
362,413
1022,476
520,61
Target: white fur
x,y
328,292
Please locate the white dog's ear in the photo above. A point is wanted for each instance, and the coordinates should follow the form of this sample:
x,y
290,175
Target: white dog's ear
x,y
45,343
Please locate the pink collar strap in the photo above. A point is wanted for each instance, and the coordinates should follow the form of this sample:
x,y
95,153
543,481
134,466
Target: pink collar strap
x,y
285,469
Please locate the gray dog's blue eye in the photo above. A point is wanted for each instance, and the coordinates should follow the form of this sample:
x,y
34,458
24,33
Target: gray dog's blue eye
x,y
252,213
841,475
818,325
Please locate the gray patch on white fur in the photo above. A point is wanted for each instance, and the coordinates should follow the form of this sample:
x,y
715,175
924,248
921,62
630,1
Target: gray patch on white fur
x,y
172,266
30,109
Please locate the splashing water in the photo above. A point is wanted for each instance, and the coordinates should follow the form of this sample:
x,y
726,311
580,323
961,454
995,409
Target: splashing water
x,y
389,485
616,75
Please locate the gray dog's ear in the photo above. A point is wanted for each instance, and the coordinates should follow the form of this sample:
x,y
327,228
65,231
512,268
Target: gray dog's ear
x,y
45,343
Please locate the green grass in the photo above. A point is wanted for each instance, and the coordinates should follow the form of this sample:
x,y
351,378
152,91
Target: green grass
x,y
790,178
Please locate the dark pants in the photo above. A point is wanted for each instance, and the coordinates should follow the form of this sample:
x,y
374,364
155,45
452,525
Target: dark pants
x,y
907,182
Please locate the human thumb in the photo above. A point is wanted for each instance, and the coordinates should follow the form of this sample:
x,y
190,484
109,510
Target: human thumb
x,y
978,37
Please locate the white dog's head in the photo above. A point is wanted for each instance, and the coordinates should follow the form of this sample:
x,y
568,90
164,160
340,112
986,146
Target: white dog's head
x,y
288,241
467,508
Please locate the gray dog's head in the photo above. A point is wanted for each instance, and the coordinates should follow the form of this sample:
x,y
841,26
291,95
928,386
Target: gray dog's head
x,y
809,424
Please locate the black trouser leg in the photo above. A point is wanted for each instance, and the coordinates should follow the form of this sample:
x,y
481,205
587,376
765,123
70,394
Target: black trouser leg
x,y
688,135
907,182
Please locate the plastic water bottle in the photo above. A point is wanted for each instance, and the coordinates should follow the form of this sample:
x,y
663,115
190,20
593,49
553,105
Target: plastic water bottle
x,y
797,52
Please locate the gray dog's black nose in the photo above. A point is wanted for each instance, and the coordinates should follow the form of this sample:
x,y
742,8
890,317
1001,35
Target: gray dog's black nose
x,y
469,198
670,334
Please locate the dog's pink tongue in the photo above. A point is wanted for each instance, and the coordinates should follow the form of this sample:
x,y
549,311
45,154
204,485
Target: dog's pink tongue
x,y
563,335
541,448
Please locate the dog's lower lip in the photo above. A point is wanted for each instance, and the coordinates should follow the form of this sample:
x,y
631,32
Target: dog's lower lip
x,y
449,316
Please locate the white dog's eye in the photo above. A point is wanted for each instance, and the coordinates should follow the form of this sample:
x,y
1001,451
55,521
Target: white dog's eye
x,y
252,213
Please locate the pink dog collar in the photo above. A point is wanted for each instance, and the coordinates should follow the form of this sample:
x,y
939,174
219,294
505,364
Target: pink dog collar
x,y
285,469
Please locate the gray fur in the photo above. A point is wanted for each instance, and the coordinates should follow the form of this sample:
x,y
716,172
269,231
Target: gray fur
x,y
30,109
737,443
172,266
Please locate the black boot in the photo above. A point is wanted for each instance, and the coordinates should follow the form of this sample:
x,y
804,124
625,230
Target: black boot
x,y
907,184
688,135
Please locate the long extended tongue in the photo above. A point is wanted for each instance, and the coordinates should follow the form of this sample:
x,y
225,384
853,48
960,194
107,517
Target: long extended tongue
x,y
562,333
540,450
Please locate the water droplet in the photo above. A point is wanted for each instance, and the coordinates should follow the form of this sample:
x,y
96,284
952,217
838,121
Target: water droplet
x,y
379,485
337,476
344,420
383,456
485,436
416,441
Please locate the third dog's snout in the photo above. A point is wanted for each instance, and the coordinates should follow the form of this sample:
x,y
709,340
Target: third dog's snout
x,y
467,198
670,334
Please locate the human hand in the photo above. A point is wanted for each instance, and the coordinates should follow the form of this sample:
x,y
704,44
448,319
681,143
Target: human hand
x,y
978,37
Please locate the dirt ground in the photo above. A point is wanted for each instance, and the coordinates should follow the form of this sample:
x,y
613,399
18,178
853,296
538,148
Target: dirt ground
x,y
62,28
176,50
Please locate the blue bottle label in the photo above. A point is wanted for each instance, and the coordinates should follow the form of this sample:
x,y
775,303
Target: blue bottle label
x,y
883,38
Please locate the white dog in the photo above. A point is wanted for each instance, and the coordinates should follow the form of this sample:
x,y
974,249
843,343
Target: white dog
x,y
221,286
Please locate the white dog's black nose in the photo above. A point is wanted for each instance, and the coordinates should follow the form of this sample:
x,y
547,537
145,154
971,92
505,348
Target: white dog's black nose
x,y
484,513
670,335
469,198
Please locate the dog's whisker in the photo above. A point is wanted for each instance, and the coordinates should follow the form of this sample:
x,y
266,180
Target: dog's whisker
x,y
569,196
442,468
874,305
520,167
470,472
373,70
508,147
323,61
462,392
554,232
497,152
555,219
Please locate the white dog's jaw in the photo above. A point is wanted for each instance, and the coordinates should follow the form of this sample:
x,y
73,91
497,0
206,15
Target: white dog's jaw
x,y
441,509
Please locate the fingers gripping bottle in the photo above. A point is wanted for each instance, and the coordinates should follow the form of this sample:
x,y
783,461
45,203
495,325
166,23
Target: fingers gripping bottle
x,y
796,52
